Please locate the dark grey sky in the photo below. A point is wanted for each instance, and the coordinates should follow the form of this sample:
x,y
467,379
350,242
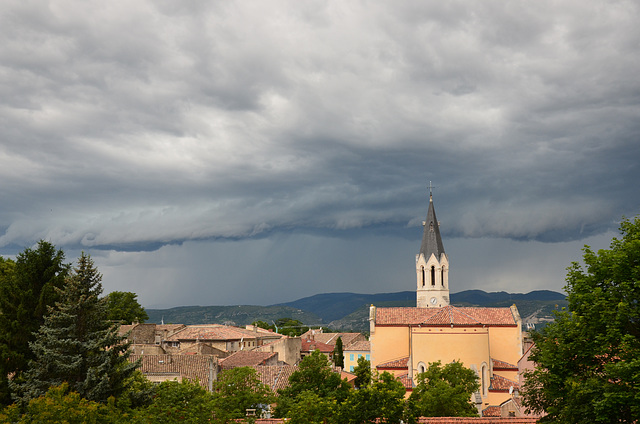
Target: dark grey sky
x,y
257,152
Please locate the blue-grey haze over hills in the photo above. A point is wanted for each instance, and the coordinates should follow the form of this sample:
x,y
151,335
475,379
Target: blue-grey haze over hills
x,y
223,153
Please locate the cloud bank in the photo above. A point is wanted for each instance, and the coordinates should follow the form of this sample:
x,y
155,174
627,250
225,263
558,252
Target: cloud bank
x,y
128,127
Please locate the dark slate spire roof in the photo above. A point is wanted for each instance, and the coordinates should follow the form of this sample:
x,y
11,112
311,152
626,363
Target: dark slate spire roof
x,y
431,240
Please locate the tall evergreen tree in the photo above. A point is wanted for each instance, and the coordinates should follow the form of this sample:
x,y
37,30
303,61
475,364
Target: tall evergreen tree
x,y
338,354
27,289
77,344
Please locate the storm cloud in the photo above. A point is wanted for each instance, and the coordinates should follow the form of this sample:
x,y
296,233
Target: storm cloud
x,y
288,146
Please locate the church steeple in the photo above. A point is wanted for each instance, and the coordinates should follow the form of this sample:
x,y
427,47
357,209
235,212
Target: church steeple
x,y
431,240
432,264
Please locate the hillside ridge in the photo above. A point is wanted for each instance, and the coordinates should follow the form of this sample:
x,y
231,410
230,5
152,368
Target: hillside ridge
x,y
350,310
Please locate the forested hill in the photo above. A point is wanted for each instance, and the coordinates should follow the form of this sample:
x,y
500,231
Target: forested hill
x,y
350,310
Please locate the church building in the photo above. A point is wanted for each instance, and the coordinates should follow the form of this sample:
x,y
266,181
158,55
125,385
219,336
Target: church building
x,y
404,340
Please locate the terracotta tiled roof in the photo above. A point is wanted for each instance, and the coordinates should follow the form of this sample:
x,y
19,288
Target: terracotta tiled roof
x,y
275,376
188,366
476,420
445,316
331,338
169,327
503,366
246,359
311,345
406,381
212,332
361,346
401,363
499,383
491,411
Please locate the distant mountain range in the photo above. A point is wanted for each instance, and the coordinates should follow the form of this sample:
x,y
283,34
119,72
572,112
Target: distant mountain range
x,y
349,311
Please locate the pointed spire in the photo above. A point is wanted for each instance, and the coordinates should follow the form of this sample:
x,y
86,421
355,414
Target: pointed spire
x,y
431,240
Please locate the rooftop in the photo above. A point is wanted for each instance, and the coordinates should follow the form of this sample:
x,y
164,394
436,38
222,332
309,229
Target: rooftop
x,y
448,315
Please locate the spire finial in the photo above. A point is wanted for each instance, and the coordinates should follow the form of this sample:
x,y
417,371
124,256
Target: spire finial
x,y
430,191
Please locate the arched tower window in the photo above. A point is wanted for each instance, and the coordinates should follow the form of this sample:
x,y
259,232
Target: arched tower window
x,y
433,275
442,276
424,277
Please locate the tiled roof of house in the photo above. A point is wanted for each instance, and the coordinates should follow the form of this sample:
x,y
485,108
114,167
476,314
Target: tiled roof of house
x,y
188,366
275,376
212,332
311,345
499,383
169,327
492,411
331,338
503,366
361,346
401,363
245,358
406,381
448,315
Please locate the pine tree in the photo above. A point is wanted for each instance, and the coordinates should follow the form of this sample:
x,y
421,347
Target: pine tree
x,y
77,344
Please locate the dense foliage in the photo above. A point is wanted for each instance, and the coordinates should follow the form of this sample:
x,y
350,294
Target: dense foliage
x,y
123,307
588,360
362,372
444,391
314,375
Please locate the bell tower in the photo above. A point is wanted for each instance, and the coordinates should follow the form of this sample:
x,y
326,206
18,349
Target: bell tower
x,y
432,264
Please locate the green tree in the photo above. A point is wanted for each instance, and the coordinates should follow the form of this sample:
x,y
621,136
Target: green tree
x,y
362,372
314,375
290,327
179,402
124,308
262,324
444,391
239,389
27,289
77,344
61,405
381,401
338,354
310,408
588,359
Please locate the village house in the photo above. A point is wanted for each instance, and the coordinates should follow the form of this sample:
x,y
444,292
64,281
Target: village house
x,y
222,337
355,351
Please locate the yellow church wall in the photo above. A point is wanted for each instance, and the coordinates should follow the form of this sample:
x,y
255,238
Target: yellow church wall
x,y
506,344
467,345
495,399
388,344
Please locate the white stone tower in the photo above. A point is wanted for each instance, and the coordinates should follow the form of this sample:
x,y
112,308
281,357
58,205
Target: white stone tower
x,y
432,265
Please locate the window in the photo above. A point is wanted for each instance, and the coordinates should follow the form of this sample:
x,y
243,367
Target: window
x,y
351,368
359,355
424,277
433,275
483,371
367,357
442,277
351,356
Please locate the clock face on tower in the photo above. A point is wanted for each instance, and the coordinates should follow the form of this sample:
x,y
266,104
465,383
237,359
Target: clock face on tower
x,y
433,300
